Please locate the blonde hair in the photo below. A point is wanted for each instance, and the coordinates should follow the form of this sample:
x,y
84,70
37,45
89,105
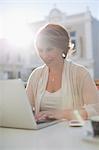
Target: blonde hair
x,y
54,36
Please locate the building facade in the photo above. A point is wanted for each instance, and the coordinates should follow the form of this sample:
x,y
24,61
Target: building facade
x,y
84,32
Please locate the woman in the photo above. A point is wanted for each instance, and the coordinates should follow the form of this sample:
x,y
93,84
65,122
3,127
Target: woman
x,y
59,87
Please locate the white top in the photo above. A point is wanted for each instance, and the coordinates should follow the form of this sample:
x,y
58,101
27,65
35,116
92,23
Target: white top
x,y
78,88
51,100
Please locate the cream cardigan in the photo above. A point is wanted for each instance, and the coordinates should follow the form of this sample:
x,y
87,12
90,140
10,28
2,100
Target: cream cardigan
x,y
78,89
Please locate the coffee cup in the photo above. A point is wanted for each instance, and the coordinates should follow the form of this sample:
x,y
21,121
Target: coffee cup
x,y
95,125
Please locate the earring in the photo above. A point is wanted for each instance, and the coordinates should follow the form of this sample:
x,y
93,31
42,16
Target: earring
x,y
63,55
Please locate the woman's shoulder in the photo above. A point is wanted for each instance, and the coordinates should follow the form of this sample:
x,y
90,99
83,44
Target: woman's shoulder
x,y
80,69
37,71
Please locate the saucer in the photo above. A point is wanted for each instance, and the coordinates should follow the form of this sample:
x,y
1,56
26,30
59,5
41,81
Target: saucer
x,y
76,123
88,136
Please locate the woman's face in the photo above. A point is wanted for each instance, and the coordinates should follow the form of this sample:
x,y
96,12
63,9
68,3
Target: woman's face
x,y
50,55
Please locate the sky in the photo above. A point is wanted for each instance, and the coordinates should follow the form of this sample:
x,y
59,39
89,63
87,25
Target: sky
x,y
17,13
33,10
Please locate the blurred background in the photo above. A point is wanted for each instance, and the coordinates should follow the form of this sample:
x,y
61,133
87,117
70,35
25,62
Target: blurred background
x,y
21,19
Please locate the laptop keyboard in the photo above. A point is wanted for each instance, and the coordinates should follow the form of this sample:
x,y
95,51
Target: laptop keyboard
x,y
45,120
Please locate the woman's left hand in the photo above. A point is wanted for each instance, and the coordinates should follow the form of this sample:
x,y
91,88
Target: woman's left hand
x,y
55,114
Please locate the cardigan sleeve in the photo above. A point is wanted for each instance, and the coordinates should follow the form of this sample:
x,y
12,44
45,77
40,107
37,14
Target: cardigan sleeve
x,y
32,85
29,90
90,96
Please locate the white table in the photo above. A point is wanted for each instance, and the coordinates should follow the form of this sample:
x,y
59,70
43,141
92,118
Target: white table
x,y
57,137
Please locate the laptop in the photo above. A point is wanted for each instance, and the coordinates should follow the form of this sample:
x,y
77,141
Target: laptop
x,y
15,109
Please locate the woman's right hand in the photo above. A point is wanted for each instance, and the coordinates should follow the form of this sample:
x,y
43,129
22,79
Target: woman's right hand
x,y
42,115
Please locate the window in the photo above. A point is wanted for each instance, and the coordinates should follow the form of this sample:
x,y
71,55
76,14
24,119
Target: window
x,y
73,34
73,39
74,43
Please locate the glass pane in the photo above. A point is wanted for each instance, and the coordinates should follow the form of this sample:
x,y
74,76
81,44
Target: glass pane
x,y
73,34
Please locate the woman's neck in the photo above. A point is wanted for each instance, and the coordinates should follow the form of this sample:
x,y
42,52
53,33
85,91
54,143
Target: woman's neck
x,y
56,67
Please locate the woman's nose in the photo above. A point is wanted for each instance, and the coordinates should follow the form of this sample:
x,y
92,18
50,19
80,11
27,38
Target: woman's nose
x,y
45,54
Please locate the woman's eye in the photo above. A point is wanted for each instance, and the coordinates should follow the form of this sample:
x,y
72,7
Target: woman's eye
x,y
40,50
48,49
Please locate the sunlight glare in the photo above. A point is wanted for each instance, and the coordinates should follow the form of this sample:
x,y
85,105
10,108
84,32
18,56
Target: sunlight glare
x,y
19,36
18,33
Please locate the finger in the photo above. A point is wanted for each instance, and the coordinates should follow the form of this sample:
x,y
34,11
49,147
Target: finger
x,y
41,117
50,116
40,114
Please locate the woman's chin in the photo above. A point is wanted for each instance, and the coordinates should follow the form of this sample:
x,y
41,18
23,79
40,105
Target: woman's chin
x,y
48,62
